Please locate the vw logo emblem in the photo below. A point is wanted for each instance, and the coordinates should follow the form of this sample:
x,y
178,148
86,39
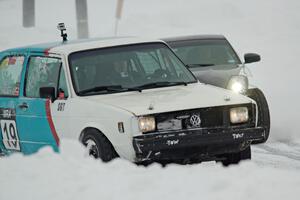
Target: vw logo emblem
x,y
195,120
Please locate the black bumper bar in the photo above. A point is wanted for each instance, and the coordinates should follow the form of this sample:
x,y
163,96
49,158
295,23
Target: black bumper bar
x,y
202,141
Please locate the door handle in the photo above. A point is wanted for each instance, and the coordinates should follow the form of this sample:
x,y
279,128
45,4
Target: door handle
x,y
24,106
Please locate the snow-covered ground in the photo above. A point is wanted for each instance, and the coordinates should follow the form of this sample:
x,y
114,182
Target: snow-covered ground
x,y
268,27
272,174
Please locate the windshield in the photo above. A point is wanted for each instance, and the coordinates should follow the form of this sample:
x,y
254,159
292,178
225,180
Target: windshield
x,y
125,68
197,53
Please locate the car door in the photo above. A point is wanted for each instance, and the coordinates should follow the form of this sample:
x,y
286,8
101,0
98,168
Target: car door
x,y
34,112
11,67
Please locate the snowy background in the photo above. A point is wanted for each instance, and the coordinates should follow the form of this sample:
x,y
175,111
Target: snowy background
x,y
268,27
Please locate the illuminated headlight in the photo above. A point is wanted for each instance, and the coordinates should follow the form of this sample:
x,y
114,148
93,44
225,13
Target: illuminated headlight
x,y
147,124
238,84
239,115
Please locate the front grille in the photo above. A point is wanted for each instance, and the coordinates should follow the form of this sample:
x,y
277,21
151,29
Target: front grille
x,y
212,117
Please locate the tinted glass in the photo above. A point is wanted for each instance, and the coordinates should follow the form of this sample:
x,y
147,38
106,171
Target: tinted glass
x,y
128,67
42,72
10,75
205,52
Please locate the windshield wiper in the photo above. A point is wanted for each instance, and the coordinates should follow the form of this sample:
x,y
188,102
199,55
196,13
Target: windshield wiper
x,y
157,84
119,88
110,88
199,65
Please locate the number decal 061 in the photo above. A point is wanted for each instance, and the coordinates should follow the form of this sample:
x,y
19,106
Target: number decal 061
x,y
10,135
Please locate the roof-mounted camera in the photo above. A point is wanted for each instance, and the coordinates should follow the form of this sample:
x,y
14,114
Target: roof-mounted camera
x,y
63,34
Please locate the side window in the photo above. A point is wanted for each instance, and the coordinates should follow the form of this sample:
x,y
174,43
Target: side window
x,y
10,75
41,72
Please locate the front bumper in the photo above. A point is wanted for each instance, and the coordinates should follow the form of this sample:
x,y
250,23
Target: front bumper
x,y
203,144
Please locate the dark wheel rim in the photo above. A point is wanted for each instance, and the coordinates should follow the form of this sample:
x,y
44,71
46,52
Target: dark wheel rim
x,y
92,148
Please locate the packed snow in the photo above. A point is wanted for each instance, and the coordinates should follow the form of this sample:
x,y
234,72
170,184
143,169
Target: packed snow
x,y
272,174
268,27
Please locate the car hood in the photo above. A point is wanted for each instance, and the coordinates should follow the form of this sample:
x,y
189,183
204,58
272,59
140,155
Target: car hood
x,y
168,99
218,75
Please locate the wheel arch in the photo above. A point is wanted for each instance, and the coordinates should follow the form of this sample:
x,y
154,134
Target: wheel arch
x,y
251,87
94,128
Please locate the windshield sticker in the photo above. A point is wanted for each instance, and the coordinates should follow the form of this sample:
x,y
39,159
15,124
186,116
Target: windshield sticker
x,y
12,60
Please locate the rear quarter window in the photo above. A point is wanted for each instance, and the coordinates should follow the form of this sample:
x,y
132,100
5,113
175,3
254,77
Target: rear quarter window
x,y
10,75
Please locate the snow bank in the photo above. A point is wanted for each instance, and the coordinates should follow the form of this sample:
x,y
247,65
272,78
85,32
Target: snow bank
x,y
270,28
71,175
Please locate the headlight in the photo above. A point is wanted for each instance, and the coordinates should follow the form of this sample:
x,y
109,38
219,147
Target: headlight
x,y
238,84
239,115
147,124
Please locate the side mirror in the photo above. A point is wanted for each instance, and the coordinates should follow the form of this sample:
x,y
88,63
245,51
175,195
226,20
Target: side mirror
x,y
47,93
251,57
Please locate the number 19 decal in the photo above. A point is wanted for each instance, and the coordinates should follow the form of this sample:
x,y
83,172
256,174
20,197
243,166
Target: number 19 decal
x,y
10,134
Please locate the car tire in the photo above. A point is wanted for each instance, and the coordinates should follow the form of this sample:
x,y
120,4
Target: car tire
x,y
235,158
98,146
263,112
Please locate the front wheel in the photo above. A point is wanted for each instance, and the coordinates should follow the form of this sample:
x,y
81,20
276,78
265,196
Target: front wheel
x,y
98,146
235,158
263,111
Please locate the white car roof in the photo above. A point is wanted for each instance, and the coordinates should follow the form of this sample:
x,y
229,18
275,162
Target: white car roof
x,y
81,45
68,47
